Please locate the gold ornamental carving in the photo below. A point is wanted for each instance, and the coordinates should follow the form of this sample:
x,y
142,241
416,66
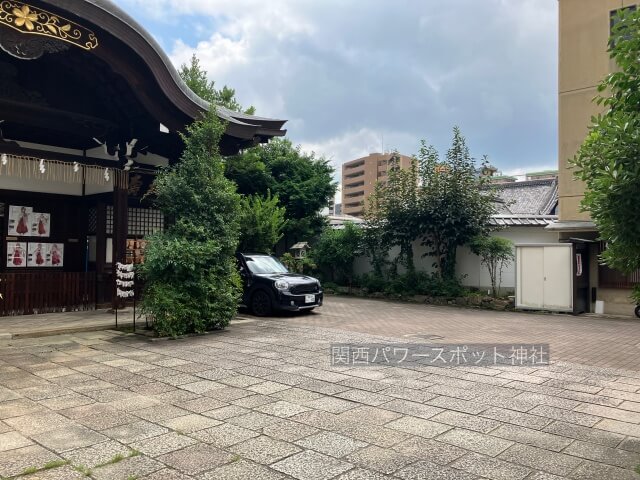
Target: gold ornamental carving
x,y
35,21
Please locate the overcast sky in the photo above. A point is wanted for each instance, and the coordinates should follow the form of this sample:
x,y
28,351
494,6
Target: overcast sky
x,y
347,74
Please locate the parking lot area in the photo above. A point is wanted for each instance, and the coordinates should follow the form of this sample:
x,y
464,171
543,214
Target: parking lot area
x,y
276,398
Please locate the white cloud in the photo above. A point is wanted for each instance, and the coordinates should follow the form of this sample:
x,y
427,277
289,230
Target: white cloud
x,y
345,72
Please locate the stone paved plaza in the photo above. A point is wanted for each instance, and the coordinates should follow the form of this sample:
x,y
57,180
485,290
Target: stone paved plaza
x,y
262,401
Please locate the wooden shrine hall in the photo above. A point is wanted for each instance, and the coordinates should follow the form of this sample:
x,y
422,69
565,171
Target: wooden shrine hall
x,y
90,107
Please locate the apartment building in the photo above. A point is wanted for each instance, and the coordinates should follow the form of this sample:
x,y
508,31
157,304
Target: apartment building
x,y
359,178
583,62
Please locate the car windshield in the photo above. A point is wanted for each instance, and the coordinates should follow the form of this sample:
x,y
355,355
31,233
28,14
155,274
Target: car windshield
x,y
264,264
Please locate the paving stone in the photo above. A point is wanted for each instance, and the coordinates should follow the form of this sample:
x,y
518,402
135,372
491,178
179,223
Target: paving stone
x,y
160,412
418,426
535,438
319,419
310,465
18,407
565,416
254,420
166,474
12,440
431,450
65,472
325,388
363,474
464,420
196,459
630,444
288,431
412,408
106,420
190,423
225,412
474,441
592,435
162,444
14,462
383,460
457,404
601,454
516,418
38,422
368,414
297,395
97,454
432,471
374,434
490,467
267,388
282,409
65,401
615,426
264,449
399,391
243,470
598,471
362,396
68,438
544,476
132,467
224,435
537,458
134,432
252,401
331,404
228,394
608,412
331,443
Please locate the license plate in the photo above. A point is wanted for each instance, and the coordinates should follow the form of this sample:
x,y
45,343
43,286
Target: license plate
x,y
309,299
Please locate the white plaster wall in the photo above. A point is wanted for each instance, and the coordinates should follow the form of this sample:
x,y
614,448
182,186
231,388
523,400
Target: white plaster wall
x,y
476,274
468,265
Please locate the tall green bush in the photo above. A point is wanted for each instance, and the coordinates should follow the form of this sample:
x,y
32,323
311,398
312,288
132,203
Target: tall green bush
x,y
262,220
336,250
191,281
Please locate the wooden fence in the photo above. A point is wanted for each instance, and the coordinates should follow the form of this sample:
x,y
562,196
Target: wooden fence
x,y
46,292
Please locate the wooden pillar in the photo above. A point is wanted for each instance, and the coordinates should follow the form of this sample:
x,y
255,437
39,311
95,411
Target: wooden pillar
x,y
120,222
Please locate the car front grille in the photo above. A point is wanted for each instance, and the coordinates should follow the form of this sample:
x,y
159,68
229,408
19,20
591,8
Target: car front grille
x,y
303,289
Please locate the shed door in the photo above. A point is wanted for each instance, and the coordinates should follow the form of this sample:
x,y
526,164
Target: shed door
x,y
558,293
531,277
544,277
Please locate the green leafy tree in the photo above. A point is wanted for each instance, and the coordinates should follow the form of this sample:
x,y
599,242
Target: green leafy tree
x,y
262,221
303,183
298,264
393,207
336,251
495,253
608,160
191,281
196,79
454,204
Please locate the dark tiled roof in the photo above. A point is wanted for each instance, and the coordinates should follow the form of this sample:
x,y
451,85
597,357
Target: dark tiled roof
x,y
534,197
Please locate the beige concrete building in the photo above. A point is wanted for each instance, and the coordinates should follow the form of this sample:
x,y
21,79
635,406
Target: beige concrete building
x,y
584,30
359,179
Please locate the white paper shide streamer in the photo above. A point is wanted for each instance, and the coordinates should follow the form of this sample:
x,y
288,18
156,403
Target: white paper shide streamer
x,y
125,280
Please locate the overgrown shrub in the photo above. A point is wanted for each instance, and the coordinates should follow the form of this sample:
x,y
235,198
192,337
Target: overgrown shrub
x,y
416,283
191,281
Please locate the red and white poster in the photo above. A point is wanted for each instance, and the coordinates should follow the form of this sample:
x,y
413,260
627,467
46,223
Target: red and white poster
x,y
16,254
20,221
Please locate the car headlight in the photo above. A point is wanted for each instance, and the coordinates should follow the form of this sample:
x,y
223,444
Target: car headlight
x,y
282,285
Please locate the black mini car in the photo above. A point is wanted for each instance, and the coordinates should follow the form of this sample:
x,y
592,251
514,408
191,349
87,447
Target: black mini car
x,y
268,286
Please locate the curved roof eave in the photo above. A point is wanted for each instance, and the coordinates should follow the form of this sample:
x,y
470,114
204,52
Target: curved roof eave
x,y
112,19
